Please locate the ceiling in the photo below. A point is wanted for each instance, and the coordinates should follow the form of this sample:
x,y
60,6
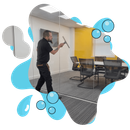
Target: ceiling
x,y
53,17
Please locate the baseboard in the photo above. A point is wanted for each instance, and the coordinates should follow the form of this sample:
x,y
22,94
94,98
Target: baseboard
x,y
60,71
34,77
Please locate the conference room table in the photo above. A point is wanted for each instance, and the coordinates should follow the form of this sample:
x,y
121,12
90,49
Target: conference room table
x,y
124,66
100,63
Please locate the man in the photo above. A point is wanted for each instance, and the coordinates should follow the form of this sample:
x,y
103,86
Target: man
x,y
43,56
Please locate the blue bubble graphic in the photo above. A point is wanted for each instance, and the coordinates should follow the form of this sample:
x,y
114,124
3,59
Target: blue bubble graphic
x,y
96,33
92,121
59,107
51,110
110,87
52,97
108,25
23,107
10,48
107,38
41,105
110,45
76,20
19,77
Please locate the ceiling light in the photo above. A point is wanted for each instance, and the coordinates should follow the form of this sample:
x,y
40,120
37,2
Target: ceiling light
x,y
89,26
64,17
49,9
80,24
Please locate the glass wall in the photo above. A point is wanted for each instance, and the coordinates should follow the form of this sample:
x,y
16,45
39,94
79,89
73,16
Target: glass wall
x,y
73,81
40,20
69,66
72,68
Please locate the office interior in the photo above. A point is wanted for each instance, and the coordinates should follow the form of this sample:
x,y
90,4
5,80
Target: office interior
x,y
67,65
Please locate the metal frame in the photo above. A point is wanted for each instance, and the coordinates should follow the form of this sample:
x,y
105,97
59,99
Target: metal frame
x,y
82,81
79,77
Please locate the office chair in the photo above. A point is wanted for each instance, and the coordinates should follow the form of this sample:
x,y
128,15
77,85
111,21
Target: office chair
x,y
98,68
86,69
99,58
75,68
124,69
113,70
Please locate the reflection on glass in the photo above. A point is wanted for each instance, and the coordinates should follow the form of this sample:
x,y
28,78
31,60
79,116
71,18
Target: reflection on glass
x,y
75,68
69,76
74,82
45,60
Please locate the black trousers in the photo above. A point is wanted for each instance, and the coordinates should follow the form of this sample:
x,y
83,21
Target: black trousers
x,y
44,77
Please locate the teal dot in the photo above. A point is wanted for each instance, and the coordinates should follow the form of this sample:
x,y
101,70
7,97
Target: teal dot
x,y
41,105
51,110
96,33
108,25
107,39
10,48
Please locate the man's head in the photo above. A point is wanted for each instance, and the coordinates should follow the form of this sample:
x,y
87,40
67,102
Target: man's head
x,y
47,35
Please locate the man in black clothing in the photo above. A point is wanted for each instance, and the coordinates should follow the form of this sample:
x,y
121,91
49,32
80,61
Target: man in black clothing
x,y
43,50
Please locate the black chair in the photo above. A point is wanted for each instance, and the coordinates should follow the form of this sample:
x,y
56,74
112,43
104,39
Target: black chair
x,y
99,68
75,68
124,69
86,69
99,58
113,70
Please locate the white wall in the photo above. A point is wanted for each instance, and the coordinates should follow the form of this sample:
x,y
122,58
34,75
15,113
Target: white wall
x,y
13,36
60,62
101,48
21,48
8,36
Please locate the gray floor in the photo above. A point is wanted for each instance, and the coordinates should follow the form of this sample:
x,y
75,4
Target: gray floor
x,y
63,85
81,103
81,112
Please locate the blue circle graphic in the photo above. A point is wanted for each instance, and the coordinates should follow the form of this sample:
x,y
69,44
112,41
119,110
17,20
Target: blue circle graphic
x,y
52,97
108,25
96,33
51,110
41,105
107,38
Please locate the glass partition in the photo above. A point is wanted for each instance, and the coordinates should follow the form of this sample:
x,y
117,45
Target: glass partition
x,y
77,78
68,67
101,51
72,68
45,17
